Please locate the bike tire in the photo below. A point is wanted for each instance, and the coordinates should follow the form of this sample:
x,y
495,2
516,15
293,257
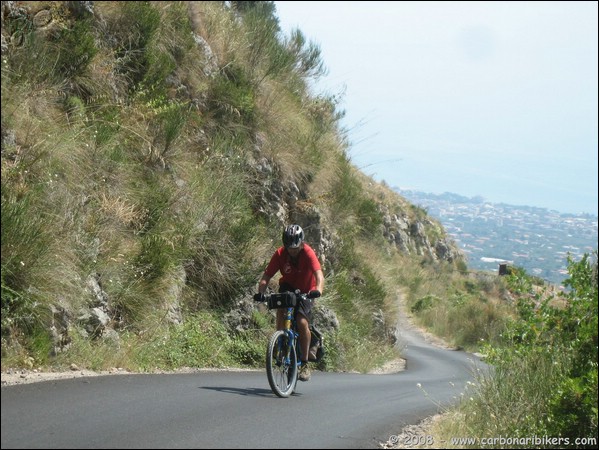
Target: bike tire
x,y
281,365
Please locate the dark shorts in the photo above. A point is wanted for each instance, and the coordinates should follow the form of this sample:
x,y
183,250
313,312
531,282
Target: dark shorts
x,y
303,307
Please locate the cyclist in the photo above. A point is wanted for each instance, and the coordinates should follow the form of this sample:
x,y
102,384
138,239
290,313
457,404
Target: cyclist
x,y
300,269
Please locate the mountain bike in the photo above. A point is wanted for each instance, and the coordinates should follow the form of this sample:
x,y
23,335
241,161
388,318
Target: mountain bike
x,y
284,354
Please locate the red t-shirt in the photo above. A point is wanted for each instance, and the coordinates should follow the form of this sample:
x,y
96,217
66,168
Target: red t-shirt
x,y
300,275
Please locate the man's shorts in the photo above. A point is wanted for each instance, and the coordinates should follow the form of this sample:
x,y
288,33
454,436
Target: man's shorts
x,y
303,307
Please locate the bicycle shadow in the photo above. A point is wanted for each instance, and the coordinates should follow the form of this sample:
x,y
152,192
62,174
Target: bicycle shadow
x,y
255,392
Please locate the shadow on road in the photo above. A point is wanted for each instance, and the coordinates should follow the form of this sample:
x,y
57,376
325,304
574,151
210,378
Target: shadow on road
x,y
256,392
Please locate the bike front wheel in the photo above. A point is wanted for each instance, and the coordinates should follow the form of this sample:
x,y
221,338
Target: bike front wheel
x,y
281,364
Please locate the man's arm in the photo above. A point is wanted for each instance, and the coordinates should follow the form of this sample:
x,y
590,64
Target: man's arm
x,y
263,283
319,276
272,268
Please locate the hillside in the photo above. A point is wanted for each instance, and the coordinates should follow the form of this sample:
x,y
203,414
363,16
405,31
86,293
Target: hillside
x,y
152,153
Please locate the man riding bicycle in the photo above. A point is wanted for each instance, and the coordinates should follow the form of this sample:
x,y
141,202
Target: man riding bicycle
x,y
300,269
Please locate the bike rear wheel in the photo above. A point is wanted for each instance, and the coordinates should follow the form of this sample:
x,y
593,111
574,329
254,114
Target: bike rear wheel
x,y
281,364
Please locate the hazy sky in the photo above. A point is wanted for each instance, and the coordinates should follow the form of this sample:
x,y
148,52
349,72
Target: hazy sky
x,y
497,99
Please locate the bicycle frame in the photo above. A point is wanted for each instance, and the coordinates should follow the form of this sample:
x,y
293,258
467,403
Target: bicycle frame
x,y
292,334
290,326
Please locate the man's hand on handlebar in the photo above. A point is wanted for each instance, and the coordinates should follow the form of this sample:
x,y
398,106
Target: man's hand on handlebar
x,y
259,297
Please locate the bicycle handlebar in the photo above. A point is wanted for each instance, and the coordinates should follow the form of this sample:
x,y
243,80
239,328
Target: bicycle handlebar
x,y
259,297
285,299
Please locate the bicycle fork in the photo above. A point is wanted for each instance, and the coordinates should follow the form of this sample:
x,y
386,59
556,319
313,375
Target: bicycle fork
x,y
284,346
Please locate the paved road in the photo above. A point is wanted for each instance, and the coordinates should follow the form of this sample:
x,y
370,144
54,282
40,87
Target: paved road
x,y
234,409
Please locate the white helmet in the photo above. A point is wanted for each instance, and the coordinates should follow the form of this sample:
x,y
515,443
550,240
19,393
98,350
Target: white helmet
x,y
293,236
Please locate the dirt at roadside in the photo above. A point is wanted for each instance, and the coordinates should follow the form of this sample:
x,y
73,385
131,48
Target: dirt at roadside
x,y
23,376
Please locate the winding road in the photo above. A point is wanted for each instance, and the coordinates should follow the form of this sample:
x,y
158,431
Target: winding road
x,y
235,409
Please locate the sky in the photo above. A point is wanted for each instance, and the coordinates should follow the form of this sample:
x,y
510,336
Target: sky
x,y
491,99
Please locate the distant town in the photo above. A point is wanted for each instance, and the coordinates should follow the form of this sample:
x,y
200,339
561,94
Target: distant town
x,y
536,239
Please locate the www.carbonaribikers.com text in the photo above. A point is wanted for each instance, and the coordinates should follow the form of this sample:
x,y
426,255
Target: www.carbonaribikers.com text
x,y
524,441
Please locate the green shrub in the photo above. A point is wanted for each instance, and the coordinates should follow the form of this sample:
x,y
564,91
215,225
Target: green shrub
x,y
26,239
134,29
76,48
566,334
424,303
232,98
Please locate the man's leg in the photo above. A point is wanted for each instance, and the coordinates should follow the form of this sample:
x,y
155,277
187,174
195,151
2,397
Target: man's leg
x,y
281,318
303,327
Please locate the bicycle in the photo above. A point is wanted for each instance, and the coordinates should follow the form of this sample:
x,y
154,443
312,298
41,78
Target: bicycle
x,y
284,354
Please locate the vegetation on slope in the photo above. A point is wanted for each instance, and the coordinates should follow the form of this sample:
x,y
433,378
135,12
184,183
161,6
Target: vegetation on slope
x,y
542,392
151,154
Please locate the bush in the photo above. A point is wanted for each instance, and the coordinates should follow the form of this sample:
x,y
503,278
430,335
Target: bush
x,y
566,334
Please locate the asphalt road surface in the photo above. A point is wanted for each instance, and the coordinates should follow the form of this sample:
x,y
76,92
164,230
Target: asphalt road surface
x,y
235,409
